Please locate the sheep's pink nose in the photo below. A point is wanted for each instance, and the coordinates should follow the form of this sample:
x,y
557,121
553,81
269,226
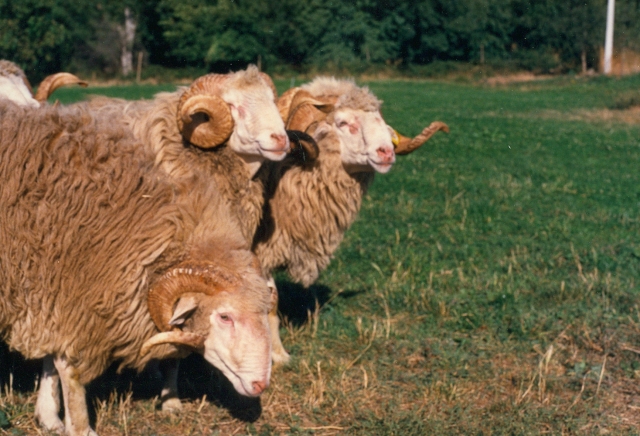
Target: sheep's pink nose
x,y
282,142
259,386
386,154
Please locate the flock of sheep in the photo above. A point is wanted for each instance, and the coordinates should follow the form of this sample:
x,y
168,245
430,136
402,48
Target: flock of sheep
x,y
140,231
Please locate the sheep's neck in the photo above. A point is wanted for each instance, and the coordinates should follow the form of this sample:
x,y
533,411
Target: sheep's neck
x,y
252,163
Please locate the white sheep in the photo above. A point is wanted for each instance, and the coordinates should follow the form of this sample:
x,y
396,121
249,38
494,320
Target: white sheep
x,y
310,205
105,258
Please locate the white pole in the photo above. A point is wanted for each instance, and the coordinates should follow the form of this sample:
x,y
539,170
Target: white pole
x,y
608,40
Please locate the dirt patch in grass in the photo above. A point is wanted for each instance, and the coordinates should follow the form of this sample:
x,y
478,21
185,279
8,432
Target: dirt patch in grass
x,y
626,116
607,116
521,77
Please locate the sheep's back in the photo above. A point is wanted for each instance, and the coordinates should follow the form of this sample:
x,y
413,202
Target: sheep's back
x,y
83,215
153,123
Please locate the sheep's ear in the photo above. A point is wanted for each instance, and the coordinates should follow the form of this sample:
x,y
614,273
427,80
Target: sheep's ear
x,y
184,309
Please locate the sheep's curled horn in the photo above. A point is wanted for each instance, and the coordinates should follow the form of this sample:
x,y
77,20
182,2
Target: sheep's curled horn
x,y
299,109
55,81
405,145
188,277
203,97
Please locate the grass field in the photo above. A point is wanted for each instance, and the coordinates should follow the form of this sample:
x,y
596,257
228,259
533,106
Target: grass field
x,y
489,286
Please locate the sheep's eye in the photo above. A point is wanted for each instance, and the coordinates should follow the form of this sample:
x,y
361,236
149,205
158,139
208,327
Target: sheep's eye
x,y
342,123
225,318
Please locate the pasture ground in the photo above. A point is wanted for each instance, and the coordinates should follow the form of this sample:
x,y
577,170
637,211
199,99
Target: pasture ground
x,y
489,286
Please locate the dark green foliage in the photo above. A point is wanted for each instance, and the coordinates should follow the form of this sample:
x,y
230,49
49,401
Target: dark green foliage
x,y
345,36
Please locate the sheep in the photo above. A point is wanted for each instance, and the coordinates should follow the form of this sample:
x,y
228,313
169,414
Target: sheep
x,y
240,113
172,123
306,224
15,86
232,167
105,258
310,206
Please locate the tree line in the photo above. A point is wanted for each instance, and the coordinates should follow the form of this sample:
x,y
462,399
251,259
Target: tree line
x,y
44,36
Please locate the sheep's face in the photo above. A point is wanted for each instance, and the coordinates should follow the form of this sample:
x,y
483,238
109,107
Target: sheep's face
x,y
14,89
258,131
365,140
236,334
239,344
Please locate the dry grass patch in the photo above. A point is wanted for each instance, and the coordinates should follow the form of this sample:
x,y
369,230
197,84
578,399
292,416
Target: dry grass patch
x,y
605,116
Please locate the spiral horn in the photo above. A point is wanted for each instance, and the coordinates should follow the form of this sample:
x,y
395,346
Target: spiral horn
x,y
55,81
204,119
405,145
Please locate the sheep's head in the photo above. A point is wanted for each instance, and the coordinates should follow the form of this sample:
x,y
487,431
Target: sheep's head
x,y
353,112
15,86
220,313
237,108
367,143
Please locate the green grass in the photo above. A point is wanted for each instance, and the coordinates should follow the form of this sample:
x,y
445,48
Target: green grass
x,y
489,285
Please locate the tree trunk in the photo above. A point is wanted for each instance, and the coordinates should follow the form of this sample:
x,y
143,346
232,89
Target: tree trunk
x,y
128,35
583,58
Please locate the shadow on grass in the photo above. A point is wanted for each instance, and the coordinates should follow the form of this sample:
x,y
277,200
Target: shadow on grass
x,y
196,378
297,303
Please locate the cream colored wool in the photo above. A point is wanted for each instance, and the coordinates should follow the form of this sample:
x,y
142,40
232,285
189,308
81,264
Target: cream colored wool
x,y
153,124
310,206
307,212
87,224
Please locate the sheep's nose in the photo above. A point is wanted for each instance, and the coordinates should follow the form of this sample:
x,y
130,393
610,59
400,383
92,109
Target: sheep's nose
x,y
282,141
386,154
259,386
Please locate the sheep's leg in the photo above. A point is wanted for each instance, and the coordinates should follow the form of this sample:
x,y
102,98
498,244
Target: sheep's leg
x,y
48,402
279,355
169,396
76,415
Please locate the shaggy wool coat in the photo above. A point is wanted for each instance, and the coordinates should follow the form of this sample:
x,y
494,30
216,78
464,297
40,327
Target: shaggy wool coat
x,y
88,221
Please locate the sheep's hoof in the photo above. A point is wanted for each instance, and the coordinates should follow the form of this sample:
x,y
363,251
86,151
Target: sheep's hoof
x,y
55,428
49,421
172,405
280,357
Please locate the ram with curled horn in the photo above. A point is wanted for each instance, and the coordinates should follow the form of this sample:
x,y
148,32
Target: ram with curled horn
x,y
175,235
15,86
222,160
302,228
197,305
